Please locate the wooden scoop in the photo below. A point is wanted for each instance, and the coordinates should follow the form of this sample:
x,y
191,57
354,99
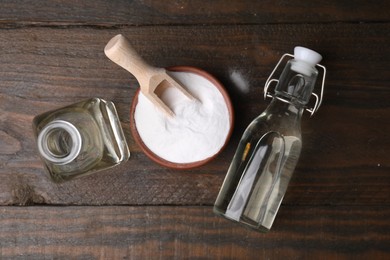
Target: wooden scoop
x,y
119,50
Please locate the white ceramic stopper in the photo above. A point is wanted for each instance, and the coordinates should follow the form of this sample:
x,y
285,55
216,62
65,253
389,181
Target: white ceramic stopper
x,y
307,59
307,55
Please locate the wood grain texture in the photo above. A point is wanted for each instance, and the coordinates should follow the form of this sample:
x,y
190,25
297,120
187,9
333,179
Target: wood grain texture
x,y
345,158
338,203
190,233
121,13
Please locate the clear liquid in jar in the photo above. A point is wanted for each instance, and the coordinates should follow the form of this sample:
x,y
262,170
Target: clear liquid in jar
x,y
80,139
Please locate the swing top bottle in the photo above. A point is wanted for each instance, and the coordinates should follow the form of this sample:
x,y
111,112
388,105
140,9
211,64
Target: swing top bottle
x,y
269,149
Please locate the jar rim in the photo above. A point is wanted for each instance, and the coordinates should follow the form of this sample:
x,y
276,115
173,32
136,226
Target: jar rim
x,y
43,142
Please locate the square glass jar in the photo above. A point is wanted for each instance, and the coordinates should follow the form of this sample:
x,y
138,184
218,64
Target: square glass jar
x,y
80,139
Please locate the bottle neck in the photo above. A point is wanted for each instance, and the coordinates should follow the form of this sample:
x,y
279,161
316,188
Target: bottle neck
x,y
296,83
280,107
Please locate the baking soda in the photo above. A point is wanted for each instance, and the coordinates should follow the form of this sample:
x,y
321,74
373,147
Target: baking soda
x,y
198,130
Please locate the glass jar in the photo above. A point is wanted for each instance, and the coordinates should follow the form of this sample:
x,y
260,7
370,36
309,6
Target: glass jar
x,y
80,139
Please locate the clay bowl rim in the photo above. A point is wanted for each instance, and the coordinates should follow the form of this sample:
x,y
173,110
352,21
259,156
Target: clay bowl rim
x,y
191,165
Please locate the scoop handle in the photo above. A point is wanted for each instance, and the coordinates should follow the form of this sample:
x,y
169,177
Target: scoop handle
x,y
119,50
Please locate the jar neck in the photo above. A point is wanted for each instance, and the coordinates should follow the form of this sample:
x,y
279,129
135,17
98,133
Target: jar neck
x,y
59,142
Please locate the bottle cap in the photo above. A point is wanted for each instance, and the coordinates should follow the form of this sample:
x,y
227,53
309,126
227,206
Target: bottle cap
x,y
307,55
308,58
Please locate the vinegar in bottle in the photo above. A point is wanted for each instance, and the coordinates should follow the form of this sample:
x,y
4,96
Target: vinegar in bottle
x,y
269,149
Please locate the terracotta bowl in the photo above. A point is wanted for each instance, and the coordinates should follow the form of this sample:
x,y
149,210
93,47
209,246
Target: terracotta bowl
x,y
174,165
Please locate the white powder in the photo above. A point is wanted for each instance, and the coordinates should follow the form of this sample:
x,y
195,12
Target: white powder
x,y
198,130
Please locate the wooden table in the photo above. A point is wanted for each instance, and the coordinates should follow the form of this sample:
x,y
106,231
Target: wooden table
x,y
338,202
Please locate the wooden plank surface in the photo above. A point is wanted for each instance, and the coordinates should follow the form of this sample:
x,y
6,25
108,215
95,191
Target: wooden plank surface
x,y
346,145
123,13
338,203
190,233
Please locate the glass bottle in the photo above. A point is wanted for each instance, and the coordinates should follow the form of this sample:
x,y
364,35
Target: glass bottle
x,y
80,139
269,149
